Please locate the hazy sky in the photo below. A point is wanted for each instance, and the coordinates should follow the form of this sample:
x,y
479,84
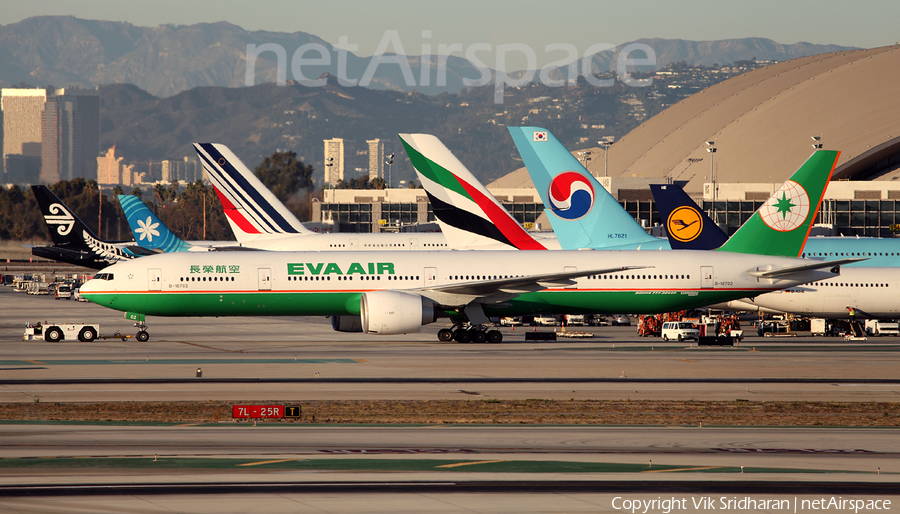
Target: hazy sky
x,y
582,23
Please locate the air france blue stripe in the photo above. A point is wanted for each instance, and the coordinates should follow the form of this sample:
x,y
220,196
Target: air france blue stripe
x,y
241,202
253,211
254,194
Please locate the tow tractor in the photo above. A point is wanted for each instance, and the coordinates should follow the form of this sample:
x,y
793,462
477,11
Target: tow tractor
x,y
84,332
53,332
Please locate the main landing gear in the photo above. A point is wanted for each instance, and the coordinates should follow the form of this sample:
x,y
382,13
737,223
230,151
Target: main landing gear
x,y
468,333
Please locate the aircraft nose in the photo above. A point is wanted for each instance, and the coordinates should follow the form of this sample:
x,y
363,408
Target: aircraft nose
x,y
89,286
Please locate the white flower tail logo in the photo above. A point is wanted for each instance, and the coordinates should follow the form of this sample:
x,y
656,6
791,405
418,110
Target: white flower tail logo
x,y
147,229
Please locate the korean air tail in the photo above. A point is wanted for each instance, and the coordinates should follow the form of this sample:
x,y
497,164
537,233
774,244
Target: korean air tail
x,y
149,231
252,210
688,227
782,224
582,212
470,215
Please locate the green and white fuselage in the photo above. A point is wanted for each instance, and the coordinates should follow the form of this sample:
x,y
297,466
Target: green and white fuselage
x,y
502,283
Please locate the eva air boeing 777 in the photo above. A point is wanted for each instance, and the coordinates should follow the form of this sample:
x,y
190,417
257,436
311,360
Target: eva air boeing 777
x,y
398,292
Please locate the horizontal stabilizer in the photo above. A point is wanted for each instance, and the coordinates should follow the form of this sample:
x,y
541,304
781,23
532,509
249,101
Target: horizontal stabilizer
x,y
780,272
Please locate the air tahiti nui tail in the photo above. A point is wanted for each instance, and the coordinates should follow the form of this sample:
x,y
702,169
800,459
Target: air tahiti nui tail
x,y
149,231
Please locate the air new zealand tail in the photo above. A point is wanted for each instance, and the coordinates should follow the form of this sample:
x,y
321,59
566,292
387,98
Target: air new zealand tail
x,y
73,241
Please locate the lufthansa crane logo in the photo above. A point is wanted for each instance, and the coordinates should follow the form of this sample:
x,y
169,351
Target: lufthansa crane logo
x,y
685,224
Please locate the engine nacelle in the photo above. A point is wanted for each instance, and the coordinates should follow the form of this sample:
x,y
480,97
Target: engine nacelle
x,y
346,323
391,312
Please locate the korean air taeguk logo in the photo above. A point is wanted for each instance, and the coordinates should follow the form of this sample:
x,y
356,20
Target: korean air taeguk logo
x,y
571,195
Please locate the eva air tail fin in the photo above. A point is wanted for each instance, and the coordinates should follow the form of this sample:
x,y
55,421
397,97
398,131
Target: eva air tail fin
x,y
149,231
582,212
782,224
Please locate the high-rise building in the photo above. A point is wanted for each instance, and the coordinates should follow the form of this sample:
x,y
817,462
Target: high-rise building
x,y
376,159
110,169
22,132
334,161
70,131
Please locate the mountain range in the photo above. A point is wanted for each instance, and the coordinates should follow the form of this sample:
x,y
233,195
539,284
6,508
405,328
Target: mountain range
x,y
168,59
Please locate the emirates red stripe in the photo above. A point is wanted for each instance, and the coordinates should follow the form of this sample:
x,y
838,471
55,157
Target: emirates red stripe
x,y
512,230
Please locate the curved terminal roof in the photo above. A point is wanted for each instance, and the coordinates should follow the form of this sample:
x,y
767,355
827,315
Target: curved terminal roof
x,y
762,123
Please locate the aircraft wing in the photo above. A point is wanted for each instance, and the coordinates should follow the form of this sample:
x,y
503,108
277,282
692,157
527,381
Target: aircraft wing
x,y
523,284
789,270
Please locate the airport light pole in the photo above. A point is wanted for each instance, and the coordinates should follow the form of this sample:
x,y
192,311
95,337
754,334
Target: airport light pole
x,y
712,172
390,162
605,143
585,158
329,162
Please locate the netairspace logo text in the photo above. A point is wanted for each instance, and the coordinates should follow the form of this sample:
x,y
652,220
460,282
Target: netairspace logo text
x,y
315,54
836,504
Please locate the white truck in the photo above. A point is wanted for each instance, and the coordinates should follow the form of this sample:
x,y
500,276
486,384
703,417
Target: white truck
x,y
63,291
575,320
882,327
53,332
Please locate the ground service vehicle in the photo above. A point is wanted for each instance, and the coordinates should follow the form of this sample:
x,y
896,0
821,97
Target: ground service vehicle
x,y
679,331
53,332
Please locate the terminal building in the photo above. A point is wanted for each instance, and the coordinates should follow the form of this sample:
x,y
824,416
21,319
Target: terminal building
x,y
761,126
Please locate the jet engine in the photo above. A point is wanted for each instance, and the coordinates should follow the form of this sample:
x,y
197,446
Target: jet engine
x,y
392,312
346,323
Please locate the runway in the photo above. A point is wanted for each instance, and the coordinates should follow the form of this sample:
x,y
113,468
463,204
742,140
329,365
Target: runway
x,y
245,359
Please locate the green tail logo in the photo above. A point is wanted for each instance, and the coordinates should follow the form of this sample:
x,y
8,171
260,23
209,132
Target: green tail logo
x,y
782,224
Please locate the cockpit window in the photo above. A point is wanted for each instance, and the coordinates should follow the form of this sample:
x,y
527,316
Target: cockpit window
x,y
103,276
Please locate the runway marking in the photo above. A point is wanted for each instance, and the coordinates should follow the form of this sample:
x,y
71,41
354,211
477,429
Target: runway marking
x,y
267,462
687,360
211,347
458,464
34,362
681,469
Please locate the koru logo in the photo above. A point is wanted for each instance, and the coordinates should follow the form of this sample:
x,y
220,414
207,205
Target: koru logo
x,y
60,216
787,209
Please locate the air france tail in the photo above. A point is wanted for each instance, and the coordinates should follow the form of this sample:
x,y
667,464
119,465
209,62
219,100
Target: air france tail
x,y
582,212
782,224
149,231
252,210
